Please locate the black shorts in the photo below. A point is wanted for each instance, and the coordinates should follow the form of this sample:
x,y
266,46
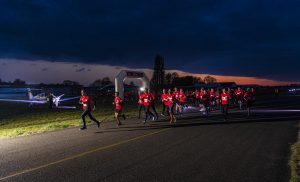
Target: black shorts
x,y
239,98
118,111
170,109
249,104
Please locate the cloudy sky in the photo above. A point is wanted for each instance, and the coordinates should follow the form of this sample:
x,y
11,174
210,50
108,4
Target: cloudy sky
x,y
251,39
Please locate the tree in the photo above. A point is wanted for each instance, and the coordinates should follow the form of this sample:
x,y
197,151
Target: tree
x,y
97,83
70,83
209,79
158,78
106,81
169,78
197,80
174,77
19,82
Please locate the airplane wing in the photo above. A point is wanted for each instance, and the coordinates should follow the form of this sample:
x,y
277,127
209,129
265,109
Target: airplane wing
x,y
26,101
70,98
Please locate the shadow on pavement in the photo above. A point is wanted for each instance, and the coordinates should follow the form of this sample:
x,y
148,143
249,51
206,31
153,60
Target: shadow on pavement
x,y
198,121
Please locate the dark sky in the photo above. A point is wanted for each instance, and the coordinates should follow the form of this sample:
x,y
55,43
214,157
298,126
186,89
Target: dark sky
x,y
227,37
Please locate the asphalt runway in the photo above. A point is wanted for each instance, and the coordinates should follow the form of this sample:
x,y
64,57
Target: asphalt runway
x,y
197,148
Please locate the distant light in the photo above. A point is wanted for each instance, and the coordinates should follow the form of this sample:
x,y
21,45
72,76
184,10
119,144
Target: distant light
x,y
142,89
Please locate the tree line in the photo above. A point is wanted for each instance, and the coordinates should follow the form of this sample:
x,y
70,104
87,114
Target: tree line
x,y
171,79
175,79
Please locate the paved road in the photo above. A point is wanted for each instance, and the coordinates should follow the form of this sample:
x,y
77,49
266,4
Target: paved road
x,y
197,148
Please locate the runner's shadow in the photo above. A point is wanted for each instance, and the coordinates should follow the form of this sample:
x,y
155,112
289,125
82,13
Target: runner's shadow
x,y
190,123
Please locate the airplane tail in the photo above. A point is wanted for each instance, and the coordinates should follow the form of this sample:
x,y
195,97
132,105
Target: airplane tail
x,y
57,99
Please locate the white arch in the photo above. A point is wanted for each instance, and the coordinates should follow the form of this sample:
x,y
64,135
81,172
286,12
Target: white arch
x,y
119,86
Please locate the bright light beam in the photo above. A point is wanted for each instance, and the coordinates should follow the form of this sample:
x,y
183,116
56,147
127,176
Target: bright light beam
x,y
24,101
70,98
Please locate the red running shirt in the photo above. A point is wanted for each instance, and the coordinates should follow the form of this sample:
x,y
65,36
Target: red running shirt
x,y
212,93
147,99
85,101
225,98
169,99
239,92
181,97
176,94
118,102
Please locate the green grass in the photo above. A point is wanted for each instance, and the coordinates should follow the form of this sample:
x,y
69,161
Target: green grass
x,y
295,160
17,119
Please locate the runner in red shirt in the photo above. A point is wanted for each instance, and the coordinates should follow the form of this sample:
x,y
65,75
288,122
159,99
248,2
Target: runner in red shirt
x,y
205,102
163,96
140,103
181,101
201,104
249,97
87,106
169,103
118,102
212,96
152,104
175,94
239,96
225,97
147,99
197,97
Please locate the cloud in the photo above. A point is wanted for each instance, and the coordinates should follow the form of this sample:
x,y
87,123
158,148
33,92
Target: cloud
x,y
80,70
60,71
231,37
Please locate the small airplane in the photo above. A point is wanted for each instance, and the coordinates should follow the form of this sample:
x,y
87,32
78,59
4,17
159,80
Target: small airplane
x,y
41,99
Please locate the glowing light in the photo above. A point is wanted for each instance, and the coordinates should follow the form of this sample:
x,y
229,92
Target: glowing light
x,y
142,89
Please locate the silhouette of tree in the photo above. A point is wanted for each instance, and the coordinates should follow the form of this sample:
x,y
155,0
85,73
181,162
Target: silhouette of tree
x,y
209,79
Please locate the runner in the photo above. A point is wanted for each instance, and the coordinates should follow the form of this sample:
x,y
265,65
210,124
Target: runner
x,y
87,106
118,102
169,102
164,92
181,101
147,99
152,104
239,96
248,96
176,100
224,100
205,102
201,104
232,96
212,95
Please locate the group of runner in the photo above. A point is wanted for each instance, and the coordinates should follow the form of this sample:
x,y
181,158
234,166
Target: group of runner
x,y
175,101
212,99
